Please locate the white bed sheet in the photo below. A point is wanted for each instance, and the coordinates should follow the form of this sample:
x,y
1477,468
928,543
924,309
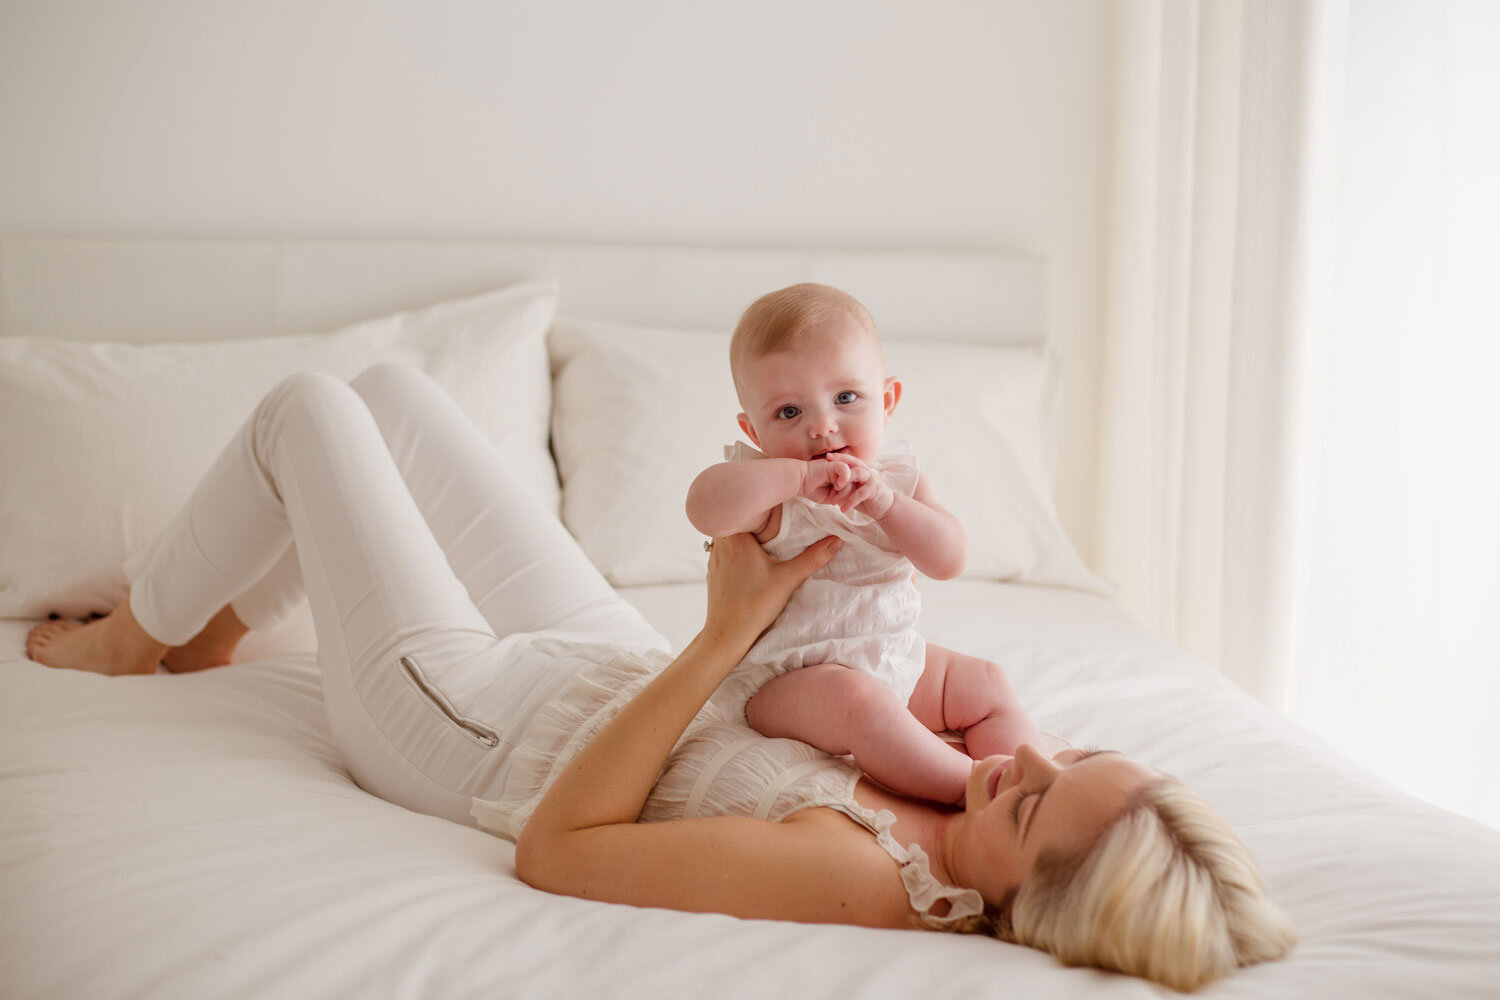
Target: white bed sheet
x,y
198,836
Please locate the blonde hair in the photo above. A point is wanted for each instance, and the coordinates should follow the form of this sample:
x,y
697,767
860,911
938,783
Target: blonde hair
x,y
1167,892
779,320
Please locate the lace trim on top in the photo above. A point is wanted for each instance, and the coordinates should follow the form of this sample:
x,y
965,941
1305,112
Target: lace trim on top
x,y
922,887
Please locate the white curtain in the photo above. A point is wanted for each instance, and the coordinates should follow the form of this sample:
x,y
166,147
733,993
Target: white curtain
x,y
1398,648
1218,242
1297,430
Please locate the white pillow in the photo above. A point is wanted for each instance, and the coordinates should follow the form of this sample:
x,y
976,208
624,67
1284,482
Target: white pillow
x,y
638,413
102,442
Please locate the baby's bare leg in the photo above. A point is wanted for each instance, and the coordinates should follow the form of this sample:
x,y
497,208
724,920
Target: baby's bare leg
x,y
844,711
972,696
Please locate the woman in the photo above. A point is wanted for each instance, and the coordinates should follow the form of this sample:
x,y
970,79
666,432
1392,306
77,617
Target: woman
x,y
476,667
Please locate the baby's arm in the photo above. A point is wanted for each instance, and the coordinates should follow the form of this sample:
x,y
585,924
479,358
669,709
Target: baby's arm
x,y
739,496
933,539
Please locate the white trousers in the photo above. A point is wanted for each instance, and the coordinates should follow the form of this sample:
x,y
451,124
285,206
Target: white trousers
x,y
419,551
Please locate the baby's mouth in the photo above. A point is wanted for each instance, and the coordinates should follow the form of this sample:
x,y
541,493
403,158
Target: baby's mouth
x,y
831,451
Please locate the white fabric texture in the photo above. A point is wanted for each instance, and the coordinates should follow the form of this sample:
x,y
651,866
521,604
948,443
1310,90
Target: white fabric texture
x,y
137,426
859,611
200,836
1216,269
640,411
1404,556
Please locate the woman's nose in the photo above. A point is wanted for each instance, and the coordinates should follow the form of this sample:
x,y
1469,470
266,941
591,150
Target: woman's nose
x,y
1035,763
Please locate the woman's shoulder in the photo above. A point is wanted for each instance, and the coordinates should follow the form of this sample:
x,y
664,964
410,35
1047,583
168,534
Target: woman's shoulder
x,y
858,870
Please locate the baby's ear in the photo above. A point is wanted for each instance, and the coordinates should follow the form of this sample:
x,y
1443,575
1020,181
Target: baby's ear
x,y
749,431
892,395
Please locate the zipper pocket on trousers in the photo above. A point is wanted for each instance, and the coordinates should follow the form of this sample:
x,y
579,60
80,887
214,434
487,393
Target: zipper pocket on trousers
x,y
484,734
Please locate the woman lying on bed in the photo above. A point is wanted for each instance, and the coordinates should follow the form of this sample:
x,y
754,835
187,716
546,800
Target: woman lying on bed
x,y
476,667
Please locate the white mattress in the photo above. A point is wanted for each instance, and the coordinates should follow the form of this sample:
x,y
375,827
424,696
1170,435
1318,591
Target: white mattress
x,y
198,836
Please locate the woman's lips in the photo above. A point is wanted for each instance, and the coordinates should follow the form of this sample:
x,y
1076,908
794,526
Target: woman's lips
x,y
997,775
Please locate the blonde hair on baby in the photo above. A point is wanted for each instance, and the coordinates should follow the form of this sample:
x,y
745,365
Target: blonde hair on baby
x,y
1167,892
779,320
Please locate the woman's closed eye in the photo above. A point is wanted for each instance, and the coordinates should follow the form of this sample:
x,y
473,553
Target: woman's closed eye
x,y
1077,754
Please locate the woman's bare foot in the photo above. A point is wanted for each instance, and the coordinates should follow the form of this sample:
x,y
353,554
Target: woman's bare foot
x,y
213,647
115,644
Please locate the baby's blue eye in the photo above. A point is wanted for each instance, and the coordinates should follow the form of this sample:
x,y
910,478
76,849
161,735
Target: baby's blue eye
x,y
787,412
846,397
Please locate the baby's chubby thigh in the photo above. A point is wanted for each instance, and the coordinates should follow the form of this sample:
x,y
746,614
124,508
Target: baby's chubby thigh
x,y
828,705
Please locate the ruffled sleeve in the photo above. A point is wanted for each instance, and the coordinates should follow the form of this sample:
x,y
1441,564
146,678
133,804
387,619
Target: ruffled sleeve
x,y
898,467
922,887
740,452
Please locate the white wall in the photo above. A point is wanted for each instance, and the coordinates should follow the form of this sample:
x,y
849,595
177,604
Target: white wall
x,y
838,124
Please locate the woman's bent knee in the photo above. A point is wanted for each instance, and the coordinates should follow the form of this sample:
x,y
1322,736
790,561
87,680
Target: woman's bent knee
x,y
387,380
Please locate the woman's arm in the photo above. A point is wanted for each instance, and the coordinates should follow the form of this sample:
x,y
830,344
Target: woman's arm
x,y
583,839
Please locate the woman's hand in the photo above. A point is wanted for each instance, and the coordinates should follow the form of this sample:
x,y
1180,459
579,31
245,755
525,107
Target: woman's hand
x,y
747,588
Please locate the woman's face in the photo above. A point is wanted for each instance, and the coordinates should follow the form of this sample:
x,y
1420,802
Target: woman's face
x,y
1018,807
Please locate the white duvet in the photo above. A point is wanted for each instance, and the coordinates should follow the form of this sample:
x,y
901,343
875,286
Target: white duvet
x,y
197,836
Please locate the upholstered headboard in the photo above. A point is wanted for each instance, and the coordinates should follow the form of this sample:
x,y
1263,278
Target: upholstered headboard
x,y
143,290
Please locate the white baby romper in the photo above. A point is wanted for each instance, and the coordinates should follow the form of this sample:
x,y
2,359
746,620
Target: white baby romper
x,y
860,610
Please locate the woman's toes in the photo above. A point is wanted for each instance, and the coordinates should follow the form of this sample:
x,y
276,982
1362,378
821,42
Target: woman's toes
x,y
43,634
36,637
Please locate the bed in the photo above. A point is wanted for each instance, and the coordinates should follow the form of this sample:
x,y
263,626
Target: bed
x,y
198,835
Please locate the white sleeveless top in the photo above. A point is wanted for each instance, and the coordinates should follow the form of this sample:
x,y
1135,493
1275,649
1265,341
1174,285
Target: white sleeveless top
x,y
718,768
860,610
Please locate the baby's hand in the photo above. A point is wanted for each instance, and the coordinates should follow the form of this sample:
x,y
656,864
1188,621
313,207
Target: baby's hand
x,y
867,492
830,481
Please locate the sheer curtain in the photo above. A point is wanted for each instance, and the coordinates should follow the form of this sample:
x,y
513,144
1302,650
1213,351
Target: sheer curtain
x,y
1300,407
1397,655
1219,236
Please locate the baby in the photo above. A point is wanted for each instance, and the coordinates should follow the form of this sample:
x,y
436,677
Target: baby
x,y
843,668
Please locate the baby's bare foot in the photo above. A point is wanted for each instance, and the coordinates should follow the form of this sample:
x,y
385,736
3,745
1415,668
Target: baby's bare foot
x,y
111,645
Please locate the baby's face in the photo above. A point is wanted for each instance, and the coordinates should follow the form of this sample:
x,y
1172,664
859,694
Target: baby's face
x,y
828,394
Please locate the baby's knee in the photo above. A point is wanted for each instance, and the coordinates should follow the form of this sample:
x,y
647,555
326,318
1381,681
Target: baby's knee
x,y
993,677
985,688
